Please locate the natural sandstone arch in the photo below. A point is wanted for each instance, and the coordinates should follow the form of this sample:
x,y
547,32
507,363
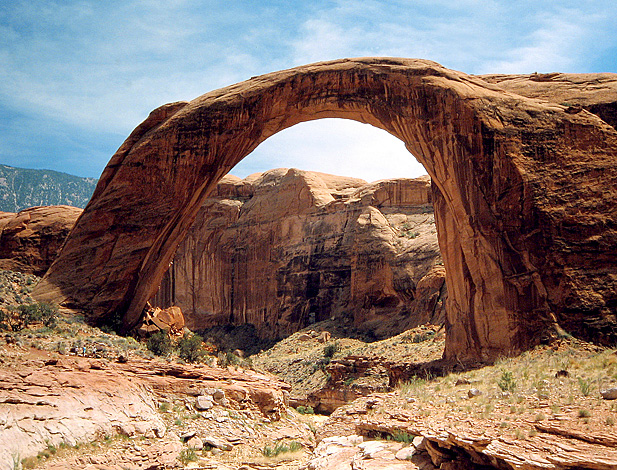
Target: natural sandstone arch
x,y
521,251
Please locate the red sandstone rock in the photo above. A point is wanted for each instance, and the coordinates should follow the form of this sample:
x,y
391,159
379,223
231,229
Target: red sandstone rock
x,y
288,248
31,239
523,193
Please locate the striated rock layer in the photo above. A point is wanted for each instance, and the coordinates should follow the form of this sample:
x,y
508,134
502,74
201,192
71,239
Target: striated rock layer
x,y
523,192
31,239
288,248
68,399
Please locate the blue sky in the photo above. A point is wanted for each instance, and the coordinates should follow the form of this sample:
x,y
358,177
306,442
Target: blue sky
x,y
77,76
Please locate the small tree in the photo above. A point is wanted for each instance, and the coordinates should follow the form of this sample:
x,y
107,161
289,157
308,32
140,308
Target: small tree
x,y
190,349
330,350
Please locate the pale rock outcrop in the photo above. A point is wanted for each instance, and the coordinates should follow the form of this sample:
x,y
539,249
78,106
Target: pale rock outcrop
x,y
287,248
47,400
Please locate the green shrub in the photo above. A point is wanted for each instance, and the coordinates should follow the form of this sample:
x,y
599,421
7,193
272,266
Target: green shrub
x,y
330,350
24,315
507,382
187,455
3,321
305,410
190,349
421,337
281,448
585,386
159,343
402,436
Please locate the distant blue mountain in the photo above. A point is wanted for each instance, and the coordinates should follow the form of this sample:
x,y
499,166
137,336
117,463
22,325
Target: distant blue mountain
x,y
21,188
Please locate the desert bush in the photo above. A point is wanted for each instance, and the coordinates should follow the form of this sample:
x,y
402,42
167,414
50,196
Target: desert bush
x,y
159,343
305,410
421,337
330,350
585,386
402,436
190,349
507,383
281,448
187,455
22,316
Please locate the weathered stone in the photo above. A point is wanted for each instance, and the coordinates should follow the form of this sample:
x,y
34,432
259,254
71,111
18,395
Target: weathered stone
x,y
522,257
406,453
370,448
609,394
195,443
156,319
474,392
418,443
31,239
204,402
217,443
324,337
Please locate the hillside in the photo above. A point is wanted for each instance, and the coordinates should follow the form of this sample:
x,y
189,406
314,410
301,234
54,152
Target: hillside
x,y
21,188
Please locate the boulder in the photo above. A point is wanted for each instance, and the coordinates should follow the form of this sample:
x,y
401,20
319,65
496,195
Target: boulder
x,y
217,442
609,394
195,443
204,403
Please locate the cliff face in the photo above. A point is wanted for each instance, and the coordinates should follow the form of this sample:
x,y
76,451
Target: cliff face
x,y
286,248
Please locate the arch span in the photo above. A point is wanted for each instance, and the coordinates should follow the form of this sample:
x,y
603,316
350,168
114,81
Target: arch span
x,y
497,162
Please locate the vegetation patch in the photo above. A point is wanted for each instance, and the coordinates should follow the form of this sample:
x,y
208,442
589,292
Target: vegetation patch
x,y
281,448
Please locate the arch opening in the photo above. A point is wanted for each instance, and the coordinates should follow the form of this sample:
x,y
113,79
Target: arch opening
x,y
334,146
485,149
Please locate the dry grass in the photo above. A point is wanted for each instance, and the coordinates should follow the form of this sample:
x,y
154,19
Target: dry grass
x,y
561,382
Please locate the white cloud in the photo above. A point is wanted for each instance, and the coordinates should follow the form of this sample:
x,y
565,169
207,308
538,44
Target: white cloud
x,y
555,46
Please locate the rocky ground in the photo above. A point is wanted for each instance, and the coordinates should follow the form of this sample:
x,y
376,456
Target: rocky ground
x,y
120,407
326,374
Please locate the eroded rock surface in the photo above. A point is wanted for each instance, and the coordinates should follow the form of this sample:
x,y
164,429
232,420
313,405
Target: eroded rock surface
x,y
471,443
287,248
46,399
524,194
31,239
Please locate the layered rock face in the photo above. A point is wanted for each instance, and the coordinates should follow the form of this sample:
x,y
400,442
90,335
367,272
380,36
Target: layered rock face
x,y
31,239
287,248
523,193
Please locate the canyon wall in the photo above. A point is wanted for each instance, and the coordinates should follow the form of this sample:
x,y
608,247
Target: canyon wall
x,y
286,248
